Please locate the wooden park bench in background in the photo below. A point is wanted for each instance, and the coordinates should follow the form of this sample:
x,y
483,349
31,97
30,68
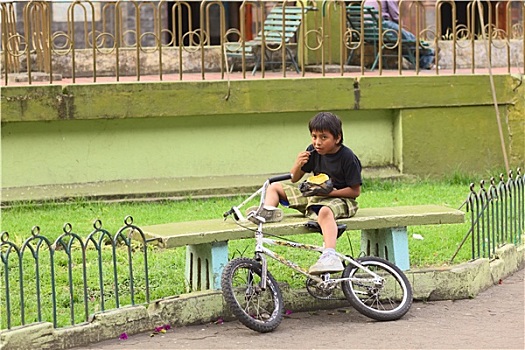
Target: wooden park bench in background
x,y
364,23
279,34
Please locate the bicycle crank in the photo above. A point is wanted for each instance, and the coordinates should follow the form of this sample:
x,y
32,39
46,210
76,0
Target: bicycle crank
x,y
323,290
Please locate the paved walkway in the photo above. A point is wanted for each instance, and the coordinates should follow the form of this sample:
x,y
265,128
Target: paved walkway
x,y
492,320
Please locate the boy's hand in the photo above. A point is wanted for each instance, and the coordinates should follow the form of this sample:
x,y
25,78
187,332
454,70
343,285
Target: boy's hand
x,y
302,158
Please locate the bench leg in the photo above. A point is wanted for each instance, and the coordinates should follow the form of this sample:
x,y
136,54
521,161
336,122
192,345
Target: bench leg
x,y
389,243
204,265
292,59
350,56
376,60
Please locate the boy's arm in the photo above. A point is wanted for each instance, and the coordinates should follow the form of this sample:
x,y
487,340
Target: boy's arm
x,y
297,173
347,192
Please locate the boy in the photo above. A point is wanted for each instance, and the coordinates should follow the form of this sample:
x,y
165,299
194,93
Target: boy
x,y
327,155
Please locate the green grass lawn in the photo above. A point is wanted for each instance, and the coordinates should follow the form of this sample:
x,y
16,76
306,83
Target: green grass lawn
x,y
166,267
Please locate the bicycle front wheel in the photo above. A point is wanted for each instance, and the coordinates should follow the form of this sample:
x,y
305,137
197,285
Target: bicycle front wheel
x,y
256,308
386,299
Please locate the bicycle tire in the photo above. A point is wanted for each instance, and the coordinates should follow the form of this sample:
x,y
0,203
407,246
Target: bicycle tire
x,y
387,302
257,309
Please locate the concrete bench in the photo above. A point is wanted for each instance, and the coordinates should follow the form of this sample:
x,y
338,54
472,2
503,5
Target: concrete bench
x,y
383,234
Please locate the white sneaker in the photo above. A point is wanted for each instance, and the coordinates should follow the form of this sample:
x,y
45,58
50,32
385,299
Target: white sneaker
x,y
269,213
327,263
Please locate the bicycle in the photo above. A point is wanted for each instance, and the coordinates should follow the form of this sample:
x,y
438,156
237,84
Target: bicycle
x,y
374,286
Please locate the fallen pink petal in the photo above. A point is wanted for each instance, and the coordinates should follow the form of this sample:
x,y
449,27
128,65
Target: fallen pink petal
x,y
167,327
288,312
219,321
123,336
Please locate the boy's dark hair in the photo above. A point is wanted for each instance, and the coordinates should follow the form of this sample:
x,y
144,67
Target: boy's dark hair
x,y
326,121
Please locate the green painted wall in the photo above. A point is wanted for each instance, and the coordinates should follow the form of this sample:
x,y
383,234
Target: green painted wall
x,y
444,140
85,134
72,151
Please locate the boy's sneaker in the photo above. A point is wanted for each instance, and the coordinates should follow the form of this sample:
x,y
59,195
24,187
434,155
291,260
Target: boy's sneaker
x,y
269,213
327,263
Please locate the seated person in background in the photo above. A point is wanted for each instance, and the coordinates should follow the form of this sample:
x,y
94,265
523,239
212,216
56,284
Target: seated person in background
x,y
390,13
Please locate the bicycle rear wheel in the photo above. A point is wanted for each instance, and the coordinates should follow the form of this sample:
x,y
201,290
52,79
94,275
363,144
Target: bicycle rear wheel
x,y
258,309
387,300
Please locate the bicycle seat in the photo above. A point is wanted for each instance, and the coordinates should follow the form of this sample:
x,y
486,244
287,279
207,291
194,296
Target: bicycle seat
x,y
314,226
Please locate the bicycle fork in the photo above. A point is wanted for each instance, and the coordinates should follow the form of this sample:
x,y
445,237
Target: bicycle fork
x,y
259,256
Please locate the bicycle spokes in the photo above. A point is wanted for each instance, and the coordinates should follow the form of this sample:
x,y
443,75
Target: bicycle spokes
x,y
385,298
258,308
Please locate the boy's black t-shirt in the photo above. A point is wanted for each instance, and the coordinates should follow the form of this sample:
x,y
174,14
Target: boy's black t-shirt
x,y
343,167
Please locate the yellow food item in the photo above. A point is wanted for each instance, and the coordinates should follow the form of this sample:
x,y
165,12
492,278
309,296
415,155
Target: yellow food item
x,y
318,179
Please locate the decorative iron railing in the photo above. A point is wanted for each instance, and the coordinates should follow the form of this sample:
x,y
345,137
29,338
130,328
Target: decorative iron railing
x,y
176,39
70,277
497,214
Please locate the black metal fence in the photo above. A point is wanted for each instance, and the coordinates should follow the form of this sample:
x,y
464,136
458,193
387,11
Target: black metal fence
x,y
44,280
497,214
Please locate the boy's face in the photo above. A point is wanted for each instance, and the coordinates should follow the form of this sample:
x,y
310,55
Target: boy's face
x,y
324,142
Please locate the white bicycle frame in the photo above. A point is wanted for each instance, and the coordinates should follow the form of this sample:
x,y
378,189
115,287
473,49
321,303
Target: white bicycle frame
x,y
261,250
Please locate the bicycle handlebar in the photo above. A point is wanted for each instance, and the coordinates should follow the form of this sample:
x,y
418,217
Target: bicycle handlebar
x,y
228,213
278,178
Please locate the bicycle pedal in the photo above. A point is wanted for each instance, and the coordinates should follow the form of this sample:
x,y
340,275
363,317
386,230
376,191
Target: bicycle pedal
x,y
255,219
325,276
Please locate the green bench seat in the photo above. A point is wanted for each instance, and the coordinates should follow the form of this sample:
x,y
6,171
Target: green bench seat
x,y
279,34
383,233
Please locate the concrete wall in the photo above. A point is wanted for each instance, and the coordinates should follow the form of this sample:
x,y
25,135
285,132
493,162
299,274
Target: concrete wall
x,y
185,133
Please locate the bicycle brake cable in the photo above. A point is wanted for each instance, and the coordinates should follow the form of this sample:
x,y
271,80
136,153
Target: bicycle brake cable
x,y
265,233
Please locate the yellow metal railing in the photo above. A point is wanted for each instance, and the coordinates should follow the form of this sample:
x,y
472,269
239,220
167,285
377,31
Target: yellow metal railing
x,y
177,40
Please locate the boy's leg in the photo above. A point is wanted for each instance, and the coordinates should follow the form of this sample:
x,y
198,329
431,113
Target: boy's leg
x,y
326,221
285,194
270,212
328,262
294,199
330,210
274,194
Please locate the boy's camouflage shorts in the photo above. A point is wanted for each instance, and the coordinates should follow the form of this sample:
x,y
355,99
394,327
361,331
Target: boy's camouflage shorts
x,y
341,207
